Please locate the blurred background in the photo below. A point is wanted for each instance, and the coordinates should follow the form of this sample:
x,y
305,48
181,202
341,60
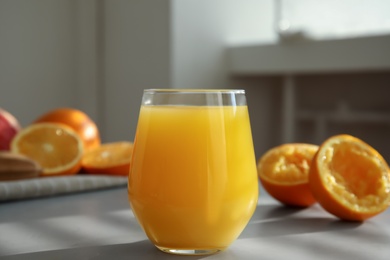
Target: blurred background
x,y
310,68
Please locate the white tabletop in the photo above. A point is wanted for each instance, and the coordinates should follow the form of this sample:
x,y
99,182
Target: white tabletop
x,y
100,225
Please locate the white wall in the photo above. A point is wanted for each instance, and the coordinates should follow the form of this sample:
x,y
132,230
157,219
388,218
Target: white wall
x,y
136,55
37,56
197,46
99,55
170,43
201,29
93,55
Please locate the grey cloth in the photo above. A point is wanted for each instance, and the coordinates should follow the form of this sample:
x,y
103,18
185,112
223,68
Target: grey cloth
x,y
50,186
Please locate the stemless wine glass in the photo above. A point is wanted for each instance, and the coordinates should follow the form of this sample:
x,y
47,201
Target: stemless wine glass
x,y
193,180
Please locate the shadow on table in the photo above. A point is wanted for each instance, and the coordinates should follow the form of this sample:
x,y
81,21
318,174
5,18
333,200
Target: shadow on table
x,y
144,250
80,203
278,220
264,212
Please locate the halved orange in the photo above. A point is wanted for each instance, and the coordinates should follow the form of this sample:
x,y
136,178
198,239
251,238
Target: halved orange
x,y
350,179
109,158
56,147
283,172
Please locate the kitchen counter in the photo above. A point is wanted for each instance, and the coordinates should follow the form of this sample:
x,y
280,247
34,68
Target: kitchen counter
x,y
101,225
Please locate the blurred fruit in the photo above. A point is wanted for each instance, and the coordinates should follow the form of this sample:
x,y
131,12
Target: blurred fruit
x,y
9,127
76,119
56,147
16,166
283,172
109,158
350,179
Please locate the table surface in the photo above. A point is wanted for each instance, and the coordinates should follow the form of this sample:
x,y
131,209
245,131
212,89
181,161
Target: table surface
x,y
101,225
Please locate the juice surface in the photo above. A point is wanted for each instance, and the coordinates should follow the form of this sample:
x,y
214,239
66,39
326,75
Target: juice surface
x,y
193,180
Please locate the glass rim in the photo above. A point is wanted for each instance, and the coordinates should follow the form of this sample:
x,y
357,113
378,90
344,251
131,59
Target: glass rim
x,y
191,90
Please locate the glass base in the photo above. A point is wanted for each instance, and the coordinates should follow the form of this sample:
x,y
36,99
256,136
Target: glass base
x,y
189,251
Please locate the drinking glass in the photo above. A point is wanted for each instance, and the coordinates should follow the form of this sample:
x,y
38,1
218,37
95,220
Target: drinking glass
x,y
193,183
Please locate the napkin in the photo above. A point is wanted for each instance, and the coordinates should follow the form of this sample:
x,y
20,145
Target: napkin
x,y
50,186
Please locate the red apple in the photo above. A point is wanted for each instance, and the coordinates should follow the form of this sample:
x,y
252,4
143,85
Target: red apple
x,y
9,127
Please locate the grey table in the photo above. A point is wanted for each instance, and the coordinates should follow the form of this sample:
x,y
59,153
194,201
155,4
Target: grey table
x,y
100,225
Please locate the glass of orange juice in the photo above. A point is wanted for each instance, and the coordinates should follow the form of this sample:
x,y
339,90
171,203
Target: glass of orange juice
x,y
193,183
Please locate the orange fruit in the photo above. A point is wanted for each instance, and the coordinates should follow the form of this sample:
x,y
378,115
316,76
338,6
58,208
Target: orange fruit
x,y
78,121
109,158
350,179
284,173
57,148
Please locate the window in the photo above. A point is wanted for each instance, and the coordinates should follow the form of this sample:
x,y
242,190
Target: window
x,y
332,19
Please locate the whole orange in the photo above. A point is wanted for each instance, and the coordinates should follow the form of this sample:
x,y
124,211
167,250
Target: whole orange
x,y
78,121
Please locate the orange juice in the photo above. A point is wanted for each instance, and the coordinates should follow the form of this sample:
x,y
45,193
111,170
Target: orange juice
x,y
193,180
